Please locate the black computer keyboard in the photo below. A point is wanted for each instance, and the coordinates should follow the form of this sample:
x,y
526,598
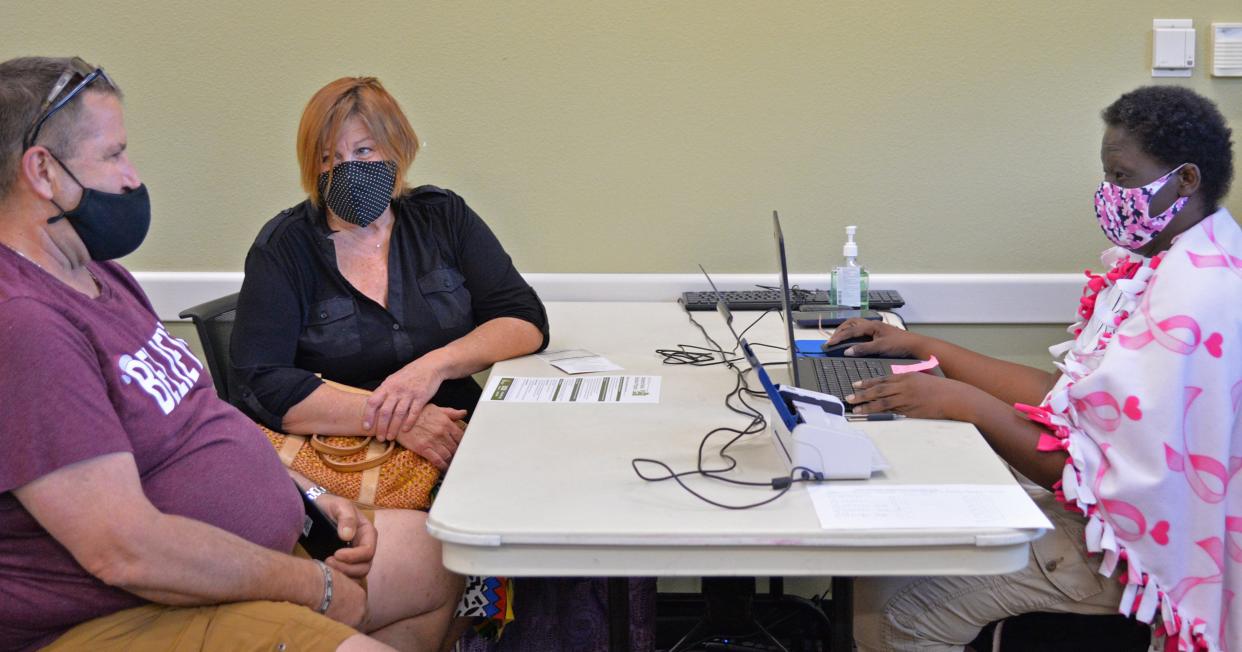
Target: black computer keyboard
x,y
836,376
771,299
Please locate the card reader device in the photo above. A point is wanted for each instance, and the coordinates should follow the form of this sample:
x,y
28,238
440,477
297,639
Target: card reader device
x,y
811,434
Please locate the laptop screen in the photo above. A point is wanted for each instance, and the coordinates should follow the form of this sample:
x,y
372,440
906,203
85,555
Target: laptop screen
x,y
786,313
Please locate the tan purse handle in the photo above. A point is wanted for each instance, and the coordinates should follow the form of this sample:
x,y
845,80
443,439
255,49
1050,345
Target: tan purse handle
x,y
353,467
326,450
324,447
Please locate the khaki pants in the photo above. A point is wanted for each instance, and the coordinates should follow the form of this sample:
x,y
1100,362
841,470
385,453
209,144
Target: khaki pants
x,y
945,613
240,626
256,625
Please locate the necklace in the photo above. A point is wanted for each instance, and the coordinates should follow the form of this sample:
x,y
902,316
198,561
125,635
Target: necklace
x,y
32,261
98,285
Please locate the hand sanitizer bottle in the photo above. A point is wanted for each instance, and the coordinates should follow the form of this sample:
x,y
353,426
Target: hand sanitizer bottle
x,y
849,281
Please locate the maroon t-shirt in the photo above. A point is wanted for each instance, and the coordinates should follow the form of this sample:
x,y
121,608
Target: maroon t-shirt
x,y
82,377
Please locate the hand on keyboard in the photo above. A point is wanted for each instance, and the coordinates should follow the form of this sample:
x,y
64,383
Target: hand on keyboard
x,y
886,341
918,395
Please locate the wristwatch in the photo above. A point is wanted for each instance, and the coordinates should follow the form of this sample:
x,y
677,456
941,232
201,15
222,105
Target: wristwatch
x,y
315,492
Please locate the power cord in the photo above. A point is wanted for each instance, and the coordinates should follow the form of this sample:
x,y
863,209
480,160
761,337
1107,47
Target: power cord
x,y
701,356
795,292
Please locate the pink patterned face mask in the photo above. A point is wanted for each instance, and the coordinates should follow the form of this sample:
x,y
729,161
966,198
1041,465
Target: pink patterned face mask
x,y
1123,212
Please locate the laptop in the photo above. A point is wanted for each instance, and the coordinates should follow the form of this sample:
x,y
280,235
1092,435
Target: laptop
x,y
834,376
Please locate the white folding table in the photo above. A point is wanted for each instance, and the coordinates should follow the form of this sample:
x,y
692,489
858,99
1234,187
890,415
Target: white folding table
x,y
548,489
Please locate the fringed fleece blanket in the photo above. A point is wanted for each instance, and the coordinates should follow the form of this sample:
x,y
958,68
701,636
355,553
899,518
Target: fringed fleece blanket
x,y
1147,408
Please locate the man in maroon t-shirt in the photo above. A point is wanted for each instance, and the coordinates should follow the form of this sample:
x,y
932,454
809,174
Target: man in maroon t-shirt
x,y
137,509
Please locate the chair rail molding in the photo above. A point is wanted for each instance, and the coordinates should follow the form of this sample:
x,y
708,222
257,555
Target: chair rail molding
x,y
930,298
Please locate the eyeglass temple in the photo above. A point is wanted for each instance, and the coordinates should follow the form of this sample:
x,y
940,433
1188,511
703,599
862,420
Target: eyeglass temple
x,y
45,113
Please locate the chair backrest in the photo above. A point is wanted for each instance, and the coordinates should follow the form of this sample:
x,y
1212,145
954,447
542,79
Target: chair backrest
x,y
214,322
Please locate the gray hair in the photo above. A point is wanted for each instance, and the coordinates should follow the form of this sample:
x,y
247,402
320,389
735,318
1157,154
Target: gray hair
x,y
24,85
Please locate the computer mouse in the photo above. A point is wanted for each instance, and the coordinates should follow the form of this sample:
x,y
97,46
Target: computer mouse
x,y
838,350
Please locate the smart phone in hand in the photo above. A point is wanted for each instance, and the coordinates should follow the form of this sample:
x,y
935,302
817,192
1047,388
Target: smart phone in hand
x,y
319,537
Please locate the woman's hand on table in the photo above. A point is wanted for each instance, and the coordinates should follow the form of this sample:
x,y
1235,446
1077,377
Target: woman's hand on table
x,y
395,406
888,341
919,395
435,435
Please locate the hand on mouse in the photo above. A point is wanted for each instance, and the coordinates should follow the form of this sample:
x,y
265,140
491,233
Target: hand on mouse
x,y
887,341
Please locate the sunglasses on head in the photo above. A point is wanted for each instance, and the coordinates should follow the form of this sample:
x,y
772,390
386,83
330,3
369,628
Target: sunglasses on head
x,y
78,70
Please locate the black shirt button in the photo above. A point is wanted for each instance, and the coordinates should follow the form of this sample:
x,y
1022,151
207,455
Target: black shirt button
x,y
396,327
323,315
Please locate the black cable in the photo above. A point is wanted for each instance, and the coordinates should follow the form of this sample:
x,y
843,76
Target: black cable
x,y
794,291
700,356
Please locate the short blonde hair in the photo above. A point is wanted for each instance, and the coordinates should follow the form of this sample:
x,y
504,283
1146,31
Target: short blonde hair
x,y
345,98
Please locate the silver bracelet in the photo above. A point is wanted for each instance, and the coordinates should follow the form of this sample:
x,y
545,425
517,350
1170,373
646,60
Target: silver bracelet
x,y
327,587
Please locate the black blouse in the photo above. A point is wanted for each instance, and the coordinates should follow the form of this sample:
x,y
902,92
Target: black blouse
x,y
298,316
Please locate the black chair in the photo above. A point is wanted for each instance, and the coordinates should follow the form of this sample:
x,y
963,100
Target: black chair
x,y
214,322
1064,632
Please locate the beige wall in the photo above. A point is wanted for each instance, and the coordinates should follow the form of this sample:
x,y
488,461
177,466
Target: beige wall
x,y
636,136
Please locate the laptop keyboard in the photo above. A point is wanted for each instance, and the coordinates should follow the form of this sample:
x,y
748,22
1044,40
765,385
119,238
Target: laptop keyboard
x,y
836,376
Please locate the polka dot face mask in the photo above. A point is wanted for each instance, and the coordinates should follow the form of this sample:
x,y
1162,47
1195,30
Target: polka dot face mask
x,y
1124,213
360,191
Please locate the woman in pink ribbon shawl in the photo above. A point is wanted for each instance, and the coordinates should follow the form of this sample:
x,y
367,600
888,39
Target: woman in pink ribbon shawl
x,y
1137,435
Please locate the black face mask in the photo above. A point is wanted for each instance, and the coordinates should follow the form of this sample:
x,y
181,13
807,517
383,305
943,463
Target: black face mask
x,y
110,225
361,190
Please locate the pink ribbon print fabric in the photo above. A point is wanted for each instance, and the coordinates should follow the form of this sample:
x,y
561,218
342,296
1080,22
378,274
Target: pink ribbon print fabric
x,y
1148,407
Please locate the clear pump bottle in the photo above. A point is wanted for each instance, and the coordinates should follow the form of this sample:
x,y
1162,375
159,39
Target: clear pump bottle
x,y
850,281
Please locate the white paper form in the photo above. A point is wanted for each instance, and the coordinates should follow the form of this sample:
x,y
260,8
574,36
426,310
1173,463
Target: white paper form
x,y
578,361
592,389
937,506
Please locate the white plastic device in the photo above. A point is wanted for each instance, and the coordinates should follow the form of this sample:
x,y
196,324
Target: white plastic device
x,y
1227,49
1172,47
821,442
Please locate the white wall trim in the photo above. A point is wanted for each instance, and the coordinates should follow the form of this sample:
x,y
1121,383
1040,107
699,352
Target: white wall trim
x,y
930,298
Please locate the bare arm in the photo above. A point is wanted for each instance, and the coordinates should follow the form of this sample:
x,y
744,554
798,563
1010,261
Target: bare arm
x,y
926,396
1007,381
492,341
328,410
396,405
332,411
1014,438
118,536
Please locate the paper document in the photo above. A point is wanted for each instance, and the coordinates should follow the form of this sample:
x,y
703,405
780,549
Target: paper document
x,y
578,361
592,389
937,506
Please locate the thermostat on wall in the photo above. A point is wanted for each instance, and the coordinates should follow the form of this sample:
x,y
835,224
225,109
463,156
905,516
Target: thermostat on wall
x,y
1227,49
1172,47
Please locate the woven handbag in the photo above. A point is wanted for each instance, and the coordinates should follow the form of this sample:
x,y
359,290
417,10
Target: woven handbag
x,y
364,470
